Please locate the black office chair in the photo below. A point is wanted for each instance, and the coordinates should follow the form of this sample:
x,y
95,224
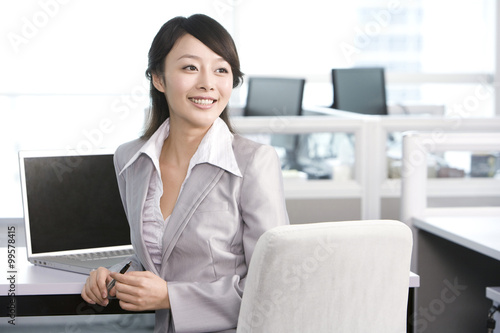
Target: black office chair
x,y
360,90
277,97
273,96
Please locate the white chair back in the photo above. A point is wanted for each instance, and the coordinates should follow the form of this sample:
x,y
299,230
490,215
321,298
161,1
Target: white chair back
x,y
329,277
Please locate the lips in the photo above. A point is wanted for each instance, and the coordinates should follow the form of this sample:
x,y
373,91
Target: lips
x,y
203,101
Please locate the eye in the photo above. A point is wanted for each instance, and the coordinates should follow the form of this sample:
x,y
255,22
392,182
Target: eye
x,y
222,70
190,68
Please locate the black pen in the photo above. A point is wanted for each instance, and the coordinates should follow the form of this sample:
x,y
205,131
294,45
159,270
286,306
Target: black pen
x,y
122,271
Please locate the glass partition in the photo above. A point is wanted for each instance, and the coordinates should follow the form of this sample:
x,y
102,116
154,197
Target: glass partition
x,y
321,155
447,164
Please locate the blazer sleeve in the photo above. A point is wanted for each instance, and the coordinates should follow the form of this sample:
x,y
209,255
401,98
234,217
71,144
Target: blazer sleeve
x,y
215,305
262,197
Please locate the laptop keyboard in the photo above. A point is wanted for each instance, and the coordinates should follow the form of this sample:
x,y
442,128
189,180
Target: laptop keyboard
x,y
99,255
87,261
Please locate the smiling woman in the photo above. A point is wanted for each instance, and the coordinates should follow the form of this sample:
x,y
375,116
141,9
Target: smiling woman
x,y
211,36
195,79
190,263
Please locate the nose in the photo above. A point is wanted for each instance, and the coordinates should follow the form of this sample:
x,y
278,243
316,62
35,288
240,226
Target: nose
x,y
206,81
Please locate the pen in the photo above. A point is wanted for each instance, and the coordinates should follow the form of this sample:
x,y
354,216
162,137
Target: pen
x,y
123,270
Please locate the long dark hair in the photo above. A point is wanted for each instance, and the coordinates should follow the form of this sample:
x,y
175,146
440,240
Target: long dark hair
x,y
209,32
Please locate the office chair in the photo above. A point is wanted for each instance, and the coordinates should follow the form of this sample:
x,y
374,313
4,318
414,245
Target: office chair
x,y
274,96
277,97
329,277
360,90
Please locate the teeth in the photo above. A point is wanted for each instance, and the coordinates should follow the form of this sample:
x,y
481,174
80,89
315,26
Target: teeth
x,y
202,101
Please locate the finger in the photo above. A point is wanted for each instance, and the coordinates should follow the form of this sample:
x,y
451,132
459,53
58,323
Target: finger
x,y
85,297
132,302
125,290
102,277
95,294
94,287
127,278
89,295
128,298
133,273
112,292
90,288
129,306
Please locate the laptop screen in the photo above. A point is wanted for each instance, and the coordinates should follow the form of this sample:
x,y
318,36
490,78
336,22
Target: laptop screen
x,y
73,203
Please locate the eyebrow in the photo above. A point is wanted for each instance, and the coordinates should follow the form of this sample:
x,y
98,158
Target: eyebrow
x,y
192,56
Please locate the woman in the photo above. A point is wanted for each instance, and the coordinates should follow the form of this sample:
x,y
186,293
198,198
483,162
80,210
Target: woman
x,y
197,197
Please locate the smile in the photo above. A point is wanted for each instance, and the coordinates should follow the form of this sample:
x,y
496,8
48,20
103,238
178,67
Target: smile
x,y
202,101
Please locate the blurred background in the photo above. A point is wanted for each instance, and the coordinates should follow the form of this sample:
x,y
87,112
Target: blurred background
x,y
72,72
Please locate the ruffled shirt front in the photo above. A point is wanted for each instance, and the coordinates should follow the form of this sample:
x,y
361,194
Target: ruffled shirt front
x,y
215,148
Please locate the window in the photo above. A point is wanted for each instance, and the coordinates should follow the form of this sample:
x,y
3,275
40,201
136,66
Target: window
x,y
73,72
435,52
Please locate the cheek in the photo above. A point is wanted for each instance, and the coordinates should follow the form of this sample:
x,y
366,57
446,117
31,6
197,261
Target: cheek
x,y
176,87
226,88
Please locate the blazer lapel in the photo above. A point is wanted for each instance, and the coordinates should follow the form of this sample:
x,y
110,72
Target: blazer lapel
x,y
137,189
202,180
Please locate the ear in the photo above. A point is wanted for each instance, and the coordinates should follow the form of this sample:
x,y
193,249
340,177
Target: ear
x,y
159,83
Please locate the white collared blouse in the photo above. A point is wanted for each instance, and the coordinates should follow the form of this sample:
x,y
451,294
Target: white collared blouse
x,y
215,149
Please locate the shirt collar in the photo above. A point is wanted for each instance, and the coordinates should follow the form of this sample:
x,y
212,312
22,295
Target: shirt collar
x,y
215,148
152,147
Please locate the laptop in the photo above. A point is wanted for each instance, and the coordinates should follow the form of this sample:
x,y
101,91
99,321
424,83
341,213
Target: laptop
x,y
73,214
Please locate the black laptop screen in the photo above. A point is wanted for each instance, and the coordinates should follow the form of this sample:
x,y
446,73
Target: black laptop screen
x,y
74,203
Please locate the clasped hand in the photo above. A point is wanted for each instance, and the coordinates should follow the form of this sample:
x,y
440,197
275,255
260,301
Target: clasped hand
x,y
137,290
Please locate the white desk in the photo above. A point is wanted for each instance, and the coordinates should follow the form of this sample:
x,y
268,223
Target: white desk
x,y
478,233
40,291
461,251
46,284
36,280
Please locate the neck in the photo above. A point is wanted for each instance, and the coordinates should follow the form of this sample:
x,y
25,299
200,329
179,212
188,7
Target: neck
x,y
181,144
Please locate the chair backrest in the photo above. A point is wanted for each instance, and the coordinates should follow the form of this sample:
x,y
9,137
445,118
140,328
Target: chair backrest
x,y
274,96
277,97
329,277
360,90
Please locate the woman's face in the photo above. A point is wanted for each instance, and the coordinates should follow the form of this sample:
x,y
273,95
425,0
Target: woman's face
x,y
197,83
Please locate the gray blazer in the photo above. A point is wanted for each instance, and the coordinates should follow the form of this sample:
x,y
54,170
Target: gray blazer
x,y
211,234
